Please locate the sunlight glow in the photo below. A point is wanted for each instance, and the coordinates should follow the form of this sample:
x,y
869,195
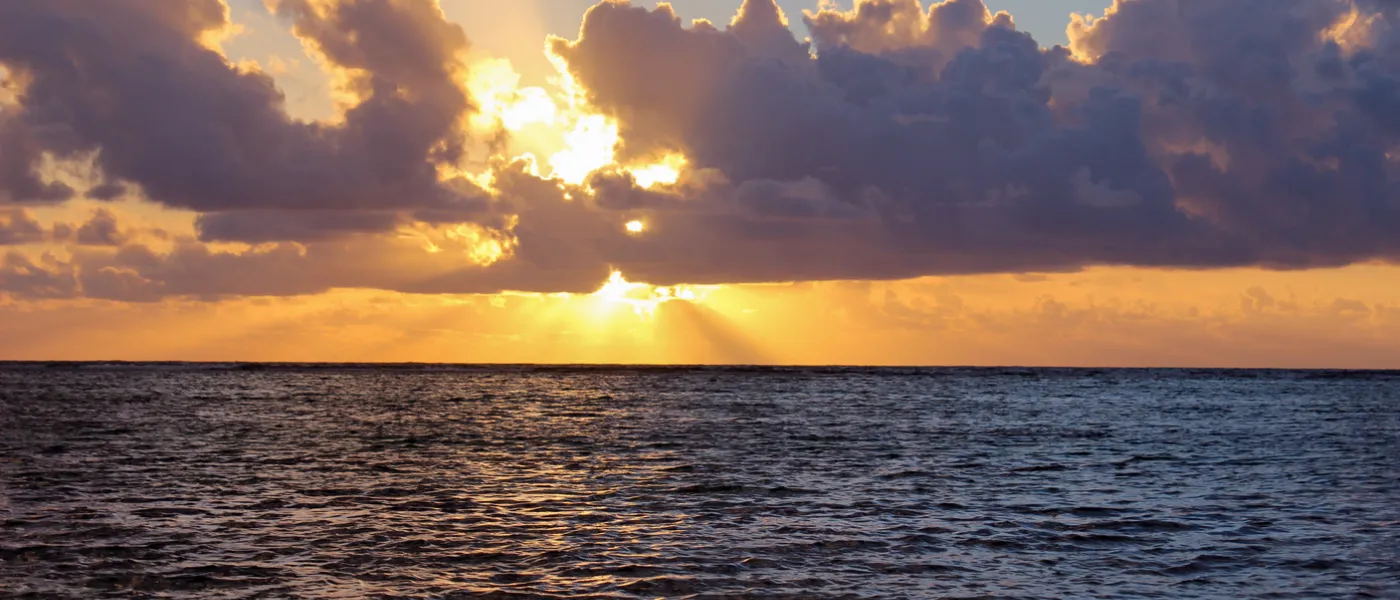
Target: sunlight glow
x,y
666,172
483,246
644,298
1354,30
588,147
494,85
577,140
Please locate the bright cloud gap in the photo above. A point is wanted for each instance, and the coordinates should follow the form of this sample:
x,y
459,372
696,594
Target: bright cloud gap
x,y
578,141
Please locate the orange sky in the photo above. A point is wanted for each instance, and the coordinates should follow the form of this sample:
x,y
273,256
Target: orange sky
x,y
368,306
1347,318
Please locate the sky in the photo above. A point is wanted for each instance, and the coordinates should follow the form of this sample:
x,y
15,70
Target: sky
x,y
871,182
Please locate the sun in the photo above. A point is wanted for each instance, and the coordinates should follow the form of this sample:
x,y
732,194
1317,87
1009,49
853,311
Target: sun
x,y
636,227
643,298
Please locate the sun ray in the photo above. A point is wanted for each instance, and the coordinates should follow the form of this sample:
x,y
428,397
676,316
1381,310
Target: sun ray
x,y
645,298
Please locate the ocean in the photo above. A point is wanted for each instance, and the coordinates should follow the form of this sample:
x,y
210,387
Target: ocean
x,y
418,481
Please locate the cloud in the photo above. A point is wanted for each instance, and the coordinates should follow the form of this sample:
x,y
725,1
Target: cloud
x,y
131,81
20,152
900,141
968,167
18,227
261,226
100,230
1185,134
1273,132
926,40
47,278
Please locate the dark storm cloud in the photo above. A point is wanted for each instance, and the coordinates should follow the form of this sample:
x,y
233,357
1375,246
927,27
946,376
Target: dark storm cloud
x,y
917,141
1292,135
107,191
982,151
130,80
20,152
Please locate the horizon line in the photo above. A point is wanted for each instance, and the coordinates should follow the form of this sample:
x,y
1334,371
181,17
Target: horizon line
x,y
236,364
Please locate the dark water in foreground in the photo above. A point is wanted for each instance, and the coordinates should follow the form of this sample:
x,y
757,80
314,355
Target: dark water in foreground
x,y
524,482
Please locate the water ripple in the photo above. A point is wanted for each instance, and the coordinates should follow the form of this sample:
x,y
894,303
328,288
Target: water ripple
x,y
523,482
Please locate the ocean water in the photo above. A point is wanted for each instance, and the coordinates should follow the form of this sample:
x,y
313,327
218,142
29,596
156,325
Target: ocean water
x,y
533,482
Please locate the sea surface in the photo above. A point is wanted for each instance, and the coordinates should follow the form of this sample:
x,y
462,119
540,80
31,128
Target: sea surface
x,y
221,481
